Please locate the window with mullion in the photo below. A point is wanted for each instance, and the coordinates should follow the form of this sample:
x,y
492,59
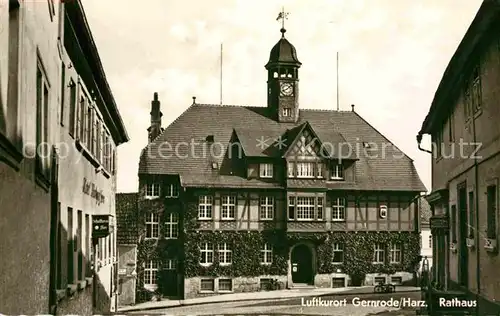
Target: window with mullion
x,y
228,207
172,190
150,272
291,169
266,254
206,254
205,207
171,225
225,254
338,209
152,226
379,253
266,205
337,171
305,170
305,208
153,190
395,253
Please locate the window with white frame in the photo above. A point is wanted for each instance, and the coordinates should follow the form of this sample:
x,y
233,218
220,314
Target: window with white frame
x,y
338,209
266,207
266,170
206,254
337,172
228,207
225,254
152,190
266,254
305,170
170,264
395,253
172,191
150,272
152,225
171,225
319,208
291,169
205,206
305,208
225,285
319,170
338,253
378,253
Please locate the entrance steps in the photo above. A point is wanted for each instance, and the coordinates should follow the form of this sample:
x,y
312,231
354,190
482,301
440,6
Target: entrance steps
x,y
302,286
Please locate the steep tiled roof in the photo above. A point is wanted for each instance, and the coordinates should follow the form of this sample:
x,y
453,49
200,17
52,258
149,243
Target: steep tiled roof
x,y
126,218
386,169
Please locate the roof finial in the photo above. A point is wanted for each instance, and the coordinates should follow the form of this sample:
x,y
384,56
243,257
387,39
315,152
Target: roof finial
x,y
282,16
194,100
155,96
352,106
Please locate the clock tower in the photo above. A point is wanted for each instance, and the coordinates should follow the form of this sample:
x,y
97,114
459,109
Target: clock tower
x,y
283,81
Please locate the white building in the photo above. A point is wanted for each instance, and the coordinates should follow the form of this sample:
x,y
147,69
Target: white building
x,y
425,231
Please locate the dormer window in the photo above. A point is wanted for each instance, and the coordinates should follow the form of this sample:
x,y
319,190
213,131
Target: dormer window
x,y
337,172
287,112
172,191
152,190
266,170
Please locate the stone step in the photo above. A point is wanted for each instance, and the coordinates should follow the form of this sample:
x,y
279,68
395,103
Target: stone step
x,y
302,286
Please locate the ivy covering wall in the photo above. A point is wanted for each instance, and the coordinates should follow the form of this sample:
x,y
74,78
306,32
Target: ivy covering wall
x,y
246,247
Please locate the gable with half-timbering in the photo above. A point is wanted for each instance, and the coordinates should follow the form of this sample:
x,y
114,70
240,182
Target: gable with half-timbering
x,y
307,146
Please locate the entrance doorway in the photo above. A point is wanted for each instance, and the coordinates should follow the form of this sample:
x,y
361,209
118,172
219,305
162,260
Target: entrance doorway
x,y
463,263
170,274
302,265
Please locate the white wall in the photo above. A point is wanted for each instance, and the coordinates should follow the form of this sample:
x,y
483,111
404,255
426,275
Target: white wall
x,y
426,249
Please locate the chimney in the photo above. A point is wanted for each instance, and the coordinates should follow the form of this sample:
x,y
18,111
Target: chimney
x,y
155,129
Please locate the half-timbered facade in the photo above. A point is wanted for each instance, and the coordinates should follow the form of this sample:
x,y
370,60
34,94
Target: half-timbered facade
x,y
238,198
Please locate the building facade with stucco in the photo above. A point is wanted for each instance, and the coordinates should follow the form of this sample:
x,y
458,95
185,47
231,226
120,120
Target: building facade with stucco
x,y
59,132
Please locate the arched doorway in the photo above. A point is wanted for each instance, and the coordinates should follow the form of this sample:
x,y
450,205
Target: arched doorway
x,y
302,268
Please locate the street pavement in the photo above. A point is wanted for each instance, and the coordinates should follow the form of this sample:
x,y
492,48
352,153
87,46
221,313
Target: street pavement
x,y
296,306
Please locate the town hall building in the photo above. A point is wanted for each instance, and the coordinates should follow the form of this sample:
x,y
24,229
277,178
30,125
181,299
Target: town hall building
x,y
243,198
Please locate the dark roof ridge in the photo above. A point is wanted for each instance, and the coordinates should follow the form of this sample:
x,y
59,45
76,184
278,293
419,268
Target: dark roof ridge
x,y
261,107
382,135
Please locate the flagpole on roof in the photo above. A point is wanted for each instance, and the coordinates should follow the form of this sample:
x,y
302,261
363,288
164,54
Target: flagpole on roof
x,y
338,104
221,50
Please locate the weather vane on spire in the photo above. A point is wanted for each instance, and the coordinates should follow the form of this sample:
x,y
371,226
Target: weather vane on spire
x,y
282,16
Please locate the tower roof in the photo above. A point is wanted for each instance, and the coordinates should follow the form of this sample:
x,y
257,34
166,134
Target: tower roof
x,y
283,53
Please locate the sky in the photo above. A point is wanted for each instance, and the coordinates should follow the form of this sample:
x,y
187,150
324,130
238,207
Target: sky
x,y
392,55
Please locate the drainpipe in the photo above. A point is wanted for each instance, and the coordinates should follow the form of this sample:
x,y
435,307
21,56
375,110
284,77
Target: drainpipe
x,y
476,198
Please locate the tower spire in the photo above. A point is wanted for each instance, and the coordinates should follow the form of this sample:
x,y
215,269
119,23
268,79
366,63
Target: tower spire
x,y
282,16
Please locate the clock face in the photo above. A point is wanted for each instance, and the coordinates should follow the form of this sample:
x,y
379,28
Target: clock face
x,y
286,88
